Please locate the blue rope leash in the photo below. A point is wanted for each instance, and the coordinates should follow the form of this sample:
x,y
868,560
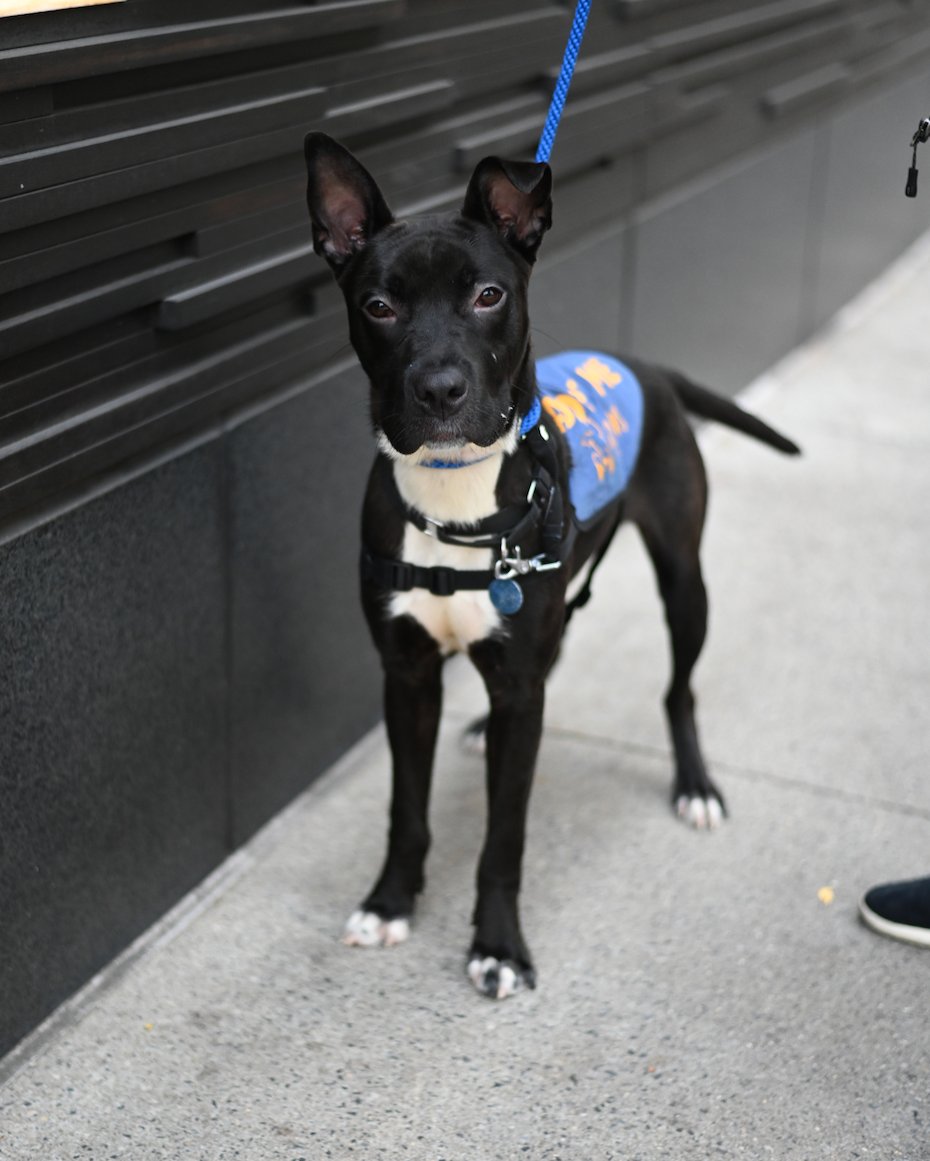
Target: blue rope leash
x,y
557,104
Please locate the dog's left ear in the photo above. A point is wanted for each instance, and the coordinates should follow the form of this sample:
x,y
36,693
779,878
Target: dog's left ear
x,y
346,206
515,197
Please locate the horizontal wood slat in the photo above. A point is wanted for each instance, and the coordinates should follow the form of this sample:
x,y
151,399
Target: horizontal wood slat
x,y
792,95
155,259
41,168
44,64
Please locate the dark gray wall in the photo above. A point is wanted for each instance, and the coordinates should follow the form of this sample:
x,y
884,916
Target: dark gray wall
x,y
183,440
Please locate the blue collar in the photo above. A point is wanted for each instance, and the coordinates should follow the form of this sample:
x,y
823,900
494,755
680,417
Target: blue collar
x,y
531,418
527,423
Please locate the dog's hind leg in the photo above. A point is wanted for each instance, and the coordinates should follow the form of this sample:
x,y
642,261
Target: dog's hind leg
x,y
412,704
474,738
671,527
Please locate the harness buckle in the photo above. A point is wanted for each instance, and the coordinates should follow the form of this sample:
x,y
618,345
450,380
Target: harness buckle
x,y
402,576
541,493
442,581
432,527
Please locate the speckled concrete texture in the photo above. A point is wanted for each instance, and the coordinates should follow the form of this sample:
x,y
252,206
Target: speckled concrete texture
x,y
112,726
701,995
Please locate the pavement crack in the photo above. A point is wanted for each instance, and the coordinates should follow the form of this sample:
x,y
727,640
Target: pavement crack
x,y
750,773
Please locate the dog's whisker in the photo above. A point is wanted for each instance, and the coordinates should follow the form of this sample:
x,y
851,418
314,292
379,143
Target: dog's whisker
x,y
547,335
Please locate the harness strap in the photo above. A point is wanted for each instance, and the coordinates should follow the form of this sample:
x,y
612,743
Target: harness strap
x,y
399,576
583,595
512,522
553,523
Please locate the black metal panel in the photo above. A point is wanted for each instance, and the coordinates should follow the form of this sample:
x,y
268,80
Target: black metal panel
x,y
113,738
305,680
719,270
576,295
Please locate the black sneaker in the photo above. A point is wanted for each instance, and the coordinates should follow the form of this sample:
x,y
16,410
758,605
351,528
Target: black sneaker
x,y
899,910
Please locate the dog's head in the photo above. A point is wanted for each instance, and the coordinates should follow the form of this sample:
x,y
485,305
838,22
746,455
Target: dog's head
x,y
437,304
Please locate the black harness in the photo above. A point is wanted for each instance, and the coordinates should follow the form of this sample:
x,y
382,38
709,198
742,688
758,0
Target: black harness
x,y
503,531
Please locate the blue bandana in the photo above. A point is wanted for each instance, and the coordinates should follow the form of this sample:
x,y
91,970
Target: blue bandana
x,y
597,403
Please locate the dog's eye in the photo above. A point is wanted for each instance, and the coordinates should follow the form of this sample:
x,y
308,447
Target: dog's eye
x,y
490,296
378,308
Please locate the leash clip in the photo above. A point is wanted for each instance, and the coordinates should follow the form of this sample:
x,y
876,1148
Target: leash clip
x,y
507,567
540,564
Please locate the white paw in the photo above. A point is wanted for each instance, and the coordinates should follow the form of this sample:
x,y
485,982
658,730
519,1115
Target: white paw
x,y
366,929
701,813
495,979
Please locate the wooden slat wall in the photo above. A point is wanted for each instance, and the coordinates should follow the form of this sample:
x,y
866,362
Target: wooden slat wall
x,y
155,268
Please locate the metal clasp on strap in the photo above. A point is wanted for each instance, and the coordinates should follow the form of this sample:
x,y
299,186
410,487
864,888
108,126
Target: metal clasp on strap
x,y
541,492
508,566
540,564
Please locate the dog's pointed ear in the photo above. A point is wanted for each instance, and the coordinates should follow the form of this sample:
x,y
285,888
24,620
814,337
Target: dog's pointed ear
x,y
515,197
346,206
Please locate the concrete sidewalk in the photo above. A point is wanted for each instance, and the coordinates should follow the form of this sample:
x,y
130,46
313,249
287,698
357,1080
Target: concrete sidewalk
x,y
699,995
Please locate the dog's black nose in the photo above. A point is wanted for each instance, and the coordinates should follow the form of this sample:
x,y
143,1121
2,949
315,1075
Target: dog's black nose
x,y
441,392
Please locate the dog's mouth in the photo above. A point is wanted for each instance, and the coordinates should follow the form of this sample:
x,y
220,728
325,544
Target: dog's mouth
x,y
449,449
445,439
481,433
467,435
458,452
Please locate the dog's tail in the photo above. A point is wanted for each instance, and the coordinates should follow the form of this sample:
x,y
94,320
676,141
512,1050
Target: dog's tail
x,y
709,405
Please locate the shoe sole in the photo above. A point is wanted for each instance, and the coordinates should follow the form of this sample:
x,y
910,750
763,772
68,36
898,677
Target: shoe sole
x,y
919,936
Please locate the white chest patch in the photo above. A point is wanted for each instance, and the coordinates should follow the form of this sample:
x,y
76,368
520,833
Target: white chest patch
x,y
457,621
461,496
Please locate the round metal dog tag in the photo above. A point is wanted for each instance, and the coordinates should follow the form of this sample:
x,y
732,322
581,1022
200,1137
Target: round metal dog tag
x,y
506,596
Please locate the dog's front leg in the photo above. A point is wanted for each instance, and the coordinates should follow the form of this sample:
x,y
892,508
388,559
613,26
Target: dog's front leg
x,y
412,704
499,961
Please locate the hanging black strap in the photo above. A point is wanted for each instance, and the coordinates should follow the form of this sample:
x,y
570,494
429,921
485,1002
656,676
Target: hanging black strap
x,y
543,450
583,595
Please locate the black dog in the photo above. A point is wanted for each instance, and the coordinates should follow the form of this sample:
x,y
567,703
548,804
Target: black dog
x,y
470,534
